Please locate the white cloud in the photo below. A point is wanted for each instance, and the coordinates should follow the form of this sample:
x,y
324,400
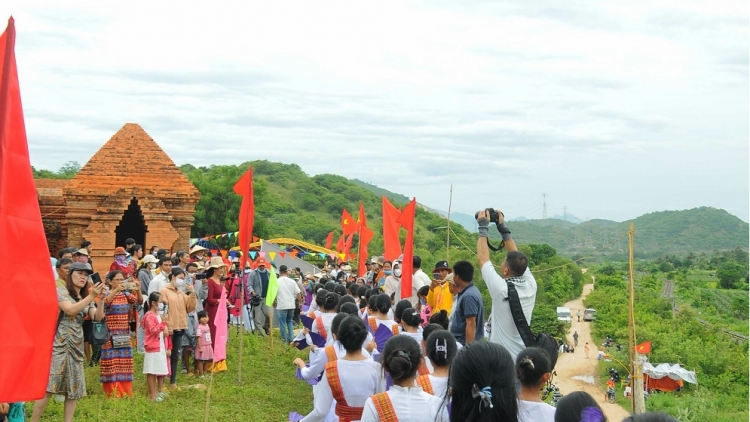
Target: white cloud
x,y
613,109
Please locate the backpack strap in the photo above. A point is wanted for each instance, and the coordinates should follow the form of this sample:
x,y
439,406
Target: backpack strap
x,y
331,353
321,327
385,409
424,382
345,412
519,318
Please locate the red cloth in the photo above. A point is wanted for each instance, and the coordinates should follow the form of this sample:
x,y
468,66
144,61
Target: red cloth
x,y
348,224
329,240
406,219
30,309
117,267
152,328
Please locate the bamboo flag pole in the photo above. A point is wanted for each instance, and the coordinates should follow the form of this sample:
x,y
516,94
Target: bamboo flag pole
x,y
448,231
208,395
241,324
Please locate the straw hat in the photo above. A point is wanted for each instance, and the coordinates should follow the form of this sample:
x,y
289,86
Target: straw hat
x,y
216,262
196,248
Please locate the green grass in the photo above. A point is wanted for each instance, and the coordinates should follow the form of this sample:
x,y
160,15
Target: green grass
x,y
268,392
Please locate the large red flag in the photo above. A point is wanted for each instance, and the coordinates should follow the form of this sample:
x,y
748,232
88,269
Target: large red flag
x,y
348,224
329,240
406,219
28,299
244,188
391,241
365,235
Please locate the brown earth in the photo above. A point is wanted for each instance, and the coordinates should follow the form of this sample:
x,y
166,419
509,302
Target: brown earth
x,y
576,364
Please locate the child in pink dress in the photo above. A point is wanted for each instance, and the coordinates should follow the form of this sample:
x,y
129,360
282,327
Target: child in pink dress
x,y
204,353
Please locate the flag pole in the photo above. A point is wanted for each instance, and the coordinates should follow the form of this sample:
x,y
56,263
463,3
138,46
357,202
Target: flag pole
x,y
242,321
448,231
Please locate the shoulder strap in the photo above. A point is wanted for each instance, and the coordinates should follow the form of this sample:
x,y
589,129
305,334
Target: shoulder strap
x,y
519,318
321,327
385,409
424,382
423,369
331,353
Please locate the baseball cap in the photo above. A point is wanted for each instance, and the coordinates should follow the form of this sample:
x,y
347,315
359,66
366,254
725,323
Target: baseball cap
x,y
442,265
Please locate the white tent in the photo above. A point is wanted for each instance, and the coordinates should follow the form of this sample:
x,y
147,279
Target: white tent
x,y
675,372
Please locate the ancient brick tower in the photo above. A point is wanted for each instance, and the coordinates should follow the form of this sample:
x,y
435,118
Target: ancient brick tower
x,y
129,188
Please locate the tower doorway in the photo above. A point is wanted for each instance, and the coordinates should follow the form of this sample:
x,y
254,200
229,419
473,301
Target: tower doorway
x,y
132,224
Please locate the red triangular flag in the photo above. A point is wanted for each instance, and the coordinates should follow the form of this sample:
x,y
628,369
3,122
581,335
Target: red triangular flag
x,y
282,254
329,240
348,224
365,235
26,349
406,219
244,188
348,244
340,244
643,348
391,241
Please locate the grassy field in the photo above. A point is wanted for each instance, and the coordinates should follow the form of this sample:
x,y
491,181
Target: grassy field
x,y
268,392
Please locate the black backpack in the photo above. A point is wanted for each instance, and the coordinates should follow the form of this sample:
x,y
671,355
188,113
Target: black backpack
x,y
542,340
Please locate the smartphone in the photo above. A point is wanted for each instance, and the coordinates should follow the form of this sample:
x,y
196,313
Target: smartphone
x,y
96,278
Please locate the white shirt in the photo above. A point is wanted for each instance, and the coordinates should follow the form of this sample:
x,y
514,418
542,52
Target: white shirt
x,y
327,321
159,282
319,358
504,331
419,280
411,405
359,380
439,385
416,336
529,411
393,285
288,290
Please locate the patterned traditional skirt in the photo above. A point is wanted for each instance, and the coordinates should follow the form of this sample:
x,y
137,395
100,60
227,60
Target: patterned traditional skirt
x,y
116,371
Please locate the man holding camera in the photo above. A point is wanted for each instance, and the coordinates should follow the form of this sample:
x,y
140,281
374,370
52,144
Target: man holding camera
x,y
514,269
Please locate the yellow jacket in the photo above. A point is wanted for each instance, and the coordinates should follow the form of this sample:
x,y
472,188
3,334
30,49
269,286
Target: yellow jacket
x,y
440,298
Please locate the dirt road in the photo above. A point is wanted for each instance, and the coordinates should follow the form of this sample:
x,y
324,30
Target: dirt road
x,y
571,365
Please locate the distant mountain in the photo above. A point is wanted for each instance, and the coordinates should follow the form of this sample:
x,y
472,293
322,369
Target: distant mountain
x,y
569,217
395,198
665,232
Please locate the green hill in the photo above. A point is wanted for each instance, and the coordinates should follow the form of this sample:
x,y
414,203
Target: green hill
x,y
658,233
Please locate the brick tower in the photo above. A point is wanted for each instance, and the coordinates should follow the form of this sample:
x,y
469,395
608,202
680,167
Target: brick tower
x,y
129,188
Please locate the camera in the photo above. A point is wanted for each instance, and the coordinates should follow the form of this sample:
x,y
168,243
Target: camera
x,y
200,276
129,286
494,215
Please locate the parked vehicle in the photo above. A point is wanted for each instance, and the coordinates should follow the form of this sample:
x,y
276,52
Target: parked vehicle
x,y
589,314
563,314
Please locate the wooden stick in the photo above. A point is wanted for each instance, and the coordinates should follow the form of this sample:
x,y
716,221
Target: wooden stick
x,y
208,395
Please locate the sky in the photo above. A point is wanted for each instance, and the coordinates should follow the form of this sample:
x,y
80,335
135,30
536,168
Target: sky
x,y
611,109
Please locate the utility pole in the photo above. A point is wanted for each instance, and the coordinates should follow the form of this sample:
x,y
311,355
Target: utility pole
x,y
544,206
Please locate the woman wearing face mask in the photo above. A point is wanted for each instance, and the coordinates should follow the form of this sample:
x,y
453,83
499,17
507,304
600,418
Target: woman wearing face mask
x,y
179,299
121,262
393,279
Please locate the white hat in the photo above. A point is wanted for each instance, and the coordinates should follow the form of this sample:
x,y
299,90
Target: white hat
x,y
196,248
82,251
148,259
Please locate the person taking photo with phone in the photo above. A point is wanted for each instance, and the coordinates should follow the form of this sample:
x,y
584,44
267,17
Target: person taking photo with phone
x,y
66,377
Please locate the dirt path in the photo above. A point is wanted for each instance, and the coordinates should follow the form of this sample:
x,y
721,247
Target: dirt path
x,y
576,365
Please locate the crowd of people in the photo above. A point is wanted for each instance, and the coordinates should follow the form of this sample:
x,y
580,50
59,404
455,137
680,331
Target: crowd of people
x,y
435,355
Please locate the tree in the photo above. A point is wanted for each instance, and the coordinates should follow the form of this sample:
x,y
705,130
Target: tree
x,y
69,169
730,274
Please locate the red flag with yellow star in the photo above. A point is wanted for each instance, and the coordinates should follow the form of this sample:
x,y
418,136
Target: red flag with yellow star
x,y
643,348
348,223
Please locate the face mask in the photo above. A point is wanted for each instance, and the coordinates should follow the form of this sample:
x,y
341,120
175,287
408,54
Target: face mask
x,y
387,272
152,265
397,272
180,282
160,308
423,302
